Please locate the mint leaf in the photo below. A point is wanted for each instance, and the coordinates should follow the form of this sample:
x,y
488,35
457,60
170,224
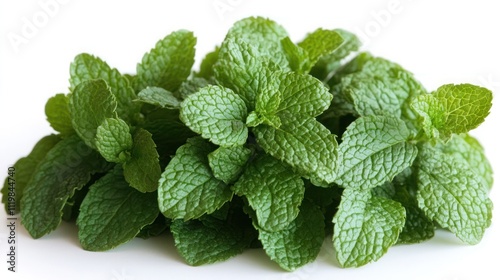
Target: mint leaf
x,y
212,240
25,167
228,162
87,67
169,63
273,190
67,167
452,196
300,242
159,97
262,33
188,188
365,227
218,114
159,226
320,42
466,150
453,109
142,170
113,213
191,86
297,57
113,140
297,142
89,105
57,112
207,64
374,149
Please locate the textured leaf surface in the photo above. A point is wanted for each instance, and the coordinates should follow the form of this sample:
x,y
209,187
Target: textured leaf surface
x,y
188,188
300,242
113,140
169,63
89,105
57,112
25,168
273,190
142,170
218,114
365,227
113,213
452,195
67,167
87,67
297,142
319,43
228,162
374,149
160,97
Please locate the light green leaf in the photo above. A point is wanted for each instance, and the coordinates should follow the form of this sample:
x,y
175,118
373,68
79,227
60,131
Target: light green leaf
x,y
300,242
113,140
365,227
89,105
87,67
191,86
142,170
218,114
24,170
188,188
113,213
273,190
374,149
228,162
207,64
468,151
57,112
67,167
453,109
159,97
320,42
297,142
297,57
169,63
452,195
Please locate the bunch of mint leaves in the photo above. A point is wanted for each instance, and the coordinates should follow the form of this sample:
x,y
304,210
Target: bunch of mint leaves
x,y
271,144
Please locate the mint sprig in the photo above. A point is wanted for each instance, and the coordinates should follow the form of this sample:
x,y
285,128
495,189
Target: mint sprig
x,y
271,144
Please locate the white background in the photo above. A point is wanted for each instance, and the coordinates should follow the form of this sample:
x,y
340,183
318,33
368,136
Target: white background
x,y
445,42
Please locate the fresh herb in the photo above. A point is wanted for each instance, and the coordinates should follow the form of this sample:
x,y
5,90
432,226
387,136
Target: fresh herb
x,y
272,144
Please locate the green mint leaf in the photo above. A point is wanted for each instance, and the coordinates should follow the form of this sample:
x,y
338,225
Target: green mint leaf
x,y
169,132
241,68
67,167
302,94
159,226
328,64
113,140
264,34
86,67
453,109
365,227
300,242
25,168
159,97
89,105
113,213
297,57
218,114
297,142
374,149
207,65
320,42
452,195
191,86
228,162
142,170
57,112
169,63
468,151
188,188
212,240
273,190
